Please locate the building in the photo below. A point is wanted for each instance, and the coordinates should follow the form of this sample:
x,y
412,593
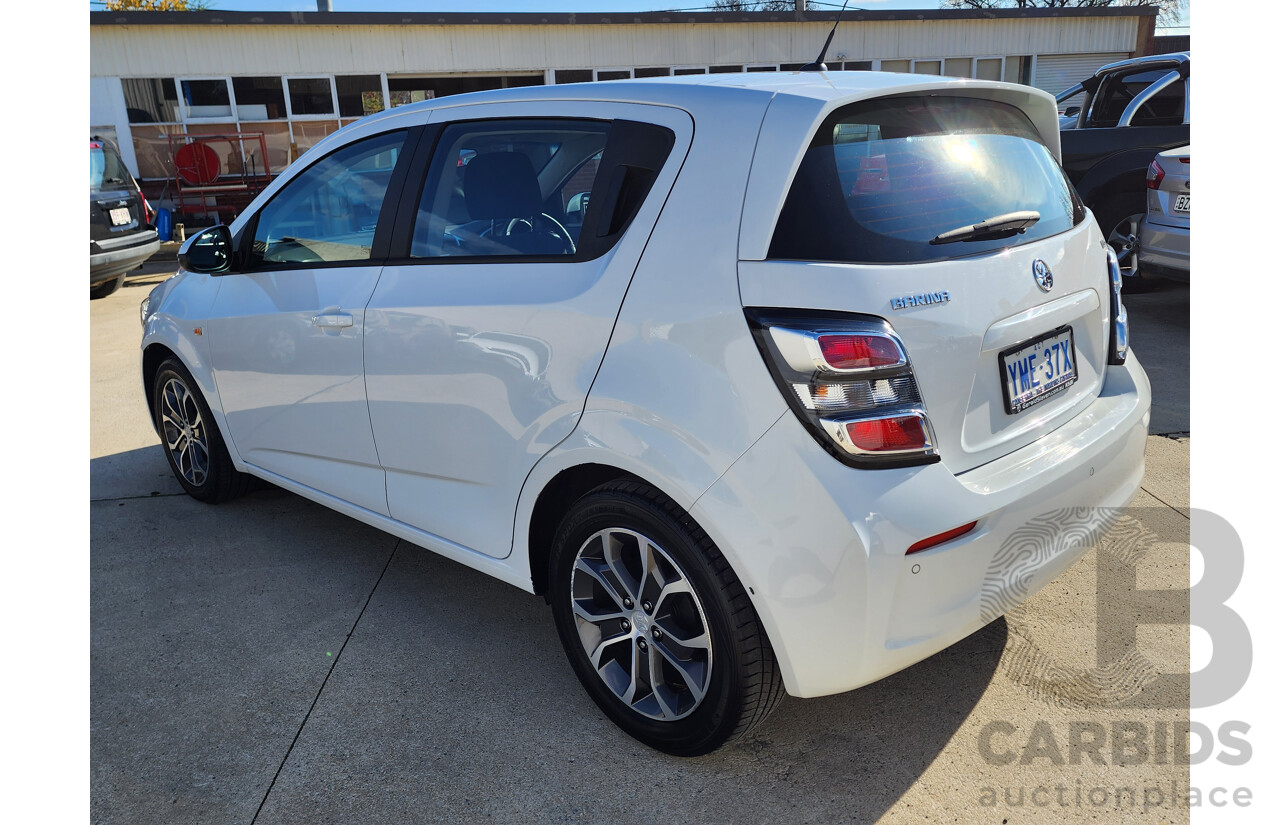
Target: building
x,y
284,80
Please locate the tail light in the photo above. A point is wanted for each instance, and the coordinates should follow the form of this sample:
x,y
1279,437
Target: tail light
x,y
1119,344
849,380
1155,174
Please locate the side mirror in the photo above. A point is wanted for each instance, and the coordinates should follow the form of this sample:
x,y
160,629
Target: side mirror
x,y
208,251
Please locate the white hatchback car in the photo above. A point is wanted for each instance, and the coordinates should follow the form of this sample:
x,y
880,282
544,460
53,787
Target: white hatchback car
x,y
751,375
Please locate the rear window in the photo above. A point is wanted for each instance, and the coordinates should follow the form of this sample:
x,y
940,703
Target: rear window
x,y
106,169
882,178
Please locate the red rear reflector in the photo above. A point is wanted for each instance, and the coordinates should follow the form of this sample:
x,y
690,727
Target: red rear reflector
x,y
934,541
854,352
1155,174
883,434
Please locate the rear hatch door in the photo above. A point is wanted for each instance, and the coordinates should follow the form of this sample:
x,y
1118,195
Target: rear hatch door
x,y
978,316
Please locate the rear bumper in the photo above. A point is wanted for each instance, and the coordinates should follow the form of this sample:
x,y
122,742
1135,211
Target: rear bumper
x,y
821,547
1165,250
110,263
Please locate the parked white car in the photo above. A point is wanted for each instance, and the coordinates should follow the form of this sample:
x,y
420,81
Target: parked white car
x,y
751,375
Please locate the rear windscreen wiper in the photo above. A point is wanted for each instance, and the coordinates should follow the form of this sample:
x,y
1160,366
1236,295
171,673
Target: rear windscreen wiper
x,y
1001,226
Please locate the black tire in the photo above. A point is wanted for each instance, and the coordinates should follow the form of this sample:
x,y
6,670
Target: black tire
x,y
1119,217
743,685
106,288
190,439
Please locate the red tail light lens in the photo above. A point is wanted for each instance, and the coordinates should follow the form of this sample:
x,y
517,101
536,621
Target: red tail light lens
x,y
849,381
1155,174
878,435
934,541
860,352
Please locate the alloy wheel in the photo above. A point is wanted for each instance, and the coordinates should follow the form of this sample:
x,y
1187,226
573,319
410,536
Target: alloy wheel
x,y
184,432
641,624
1124,240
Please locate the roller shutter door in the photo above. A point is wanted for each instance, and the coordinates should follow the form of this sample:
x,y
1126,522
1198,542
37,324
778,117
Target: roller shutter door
x,y
1062,71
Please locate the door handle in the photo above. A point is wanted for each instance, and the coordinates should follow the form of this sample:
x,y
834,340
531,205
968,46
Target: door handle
x,y
333,320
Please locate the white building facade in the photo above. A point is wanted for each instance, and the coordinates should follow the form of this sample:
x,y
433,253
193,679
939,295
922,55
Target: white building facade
x,y
295,77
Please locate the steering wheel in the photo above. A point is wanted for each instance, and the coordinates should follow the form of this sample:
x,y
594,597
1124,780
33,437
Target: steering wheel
x,y
541,224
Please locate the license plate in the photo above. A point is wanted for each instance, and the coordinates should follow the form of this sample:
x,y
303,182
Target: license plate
x,y
1038,370
1182,203
121,216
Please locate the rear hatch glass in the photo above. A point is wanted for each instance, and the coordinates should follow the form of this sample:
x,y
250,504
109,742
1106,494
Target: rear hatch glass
x,y
884,178
107,172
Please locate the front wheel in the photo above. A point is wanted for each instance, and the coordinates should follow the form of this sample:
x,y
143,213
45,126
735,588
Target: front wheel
x,y
656,625
190,438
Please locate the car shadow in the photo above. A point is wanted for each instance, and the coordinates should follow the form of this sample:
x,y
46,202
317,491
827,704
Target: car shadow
x,y
454,681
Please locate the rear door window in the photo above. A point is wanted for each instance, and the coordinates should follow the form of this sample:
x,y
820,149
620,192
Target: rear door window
x,y
883,178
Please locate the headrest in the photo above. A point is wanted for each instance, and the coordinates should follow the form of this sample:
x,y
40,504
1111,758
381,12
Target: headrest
x,y
501,185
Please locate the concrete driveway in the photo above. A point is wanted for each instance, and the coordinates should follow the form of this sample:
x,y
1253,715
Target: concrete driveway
x,y
270,661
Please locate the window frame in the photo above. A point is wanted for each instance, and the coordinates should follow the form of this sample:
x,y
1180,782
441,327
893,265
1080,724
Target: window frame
x,y
231,119
243,262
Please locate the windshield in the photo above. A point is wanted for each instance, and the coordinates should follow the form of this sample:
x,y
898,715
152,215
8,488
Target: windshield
x,y
884,177
106,169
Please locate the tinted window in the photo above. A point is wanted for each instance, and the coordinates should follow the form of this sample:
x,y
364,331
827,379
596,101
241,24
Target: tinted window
x,y
516,187
882,178
330,211
106,169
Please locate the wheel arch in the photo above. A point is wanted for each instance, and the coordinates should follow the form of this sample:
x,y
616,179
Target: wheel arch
x,y
553,502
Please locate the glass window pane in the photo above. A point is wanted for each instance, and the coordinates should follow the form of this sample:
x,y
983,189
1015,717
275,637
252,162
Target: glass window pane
x,y
928,67
508,188
725,69
957,67
895,65
330,211
359,95
690,71
307,133
226,149
151,150
573,76
259,98
151,99
882,179
206,98
762,68
654,71
310,96
857,66
276,138
614,74
988,69
791,67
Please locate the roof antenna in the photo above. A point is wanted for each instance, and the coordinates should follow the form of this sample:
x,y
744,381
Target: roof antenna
x,y
818,65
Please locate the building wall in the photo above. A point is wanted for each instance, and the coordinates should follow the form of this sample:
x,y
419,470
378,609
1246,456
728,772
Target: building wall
x,y
497,51
146,51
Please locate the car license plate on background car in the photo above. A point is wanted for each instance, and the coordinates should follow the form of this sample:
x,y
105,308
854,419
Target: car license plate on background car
x,y
1182,203
120,217
1038,370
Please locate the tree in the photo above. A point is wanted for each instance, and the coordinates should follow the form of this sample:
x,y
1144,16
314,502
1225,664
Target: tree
x,y
157,5
1170,10
754,5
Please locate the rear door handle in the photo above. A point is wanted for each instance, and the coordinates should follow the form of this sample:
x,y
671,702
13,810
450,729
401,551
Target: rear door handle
x,y
333,320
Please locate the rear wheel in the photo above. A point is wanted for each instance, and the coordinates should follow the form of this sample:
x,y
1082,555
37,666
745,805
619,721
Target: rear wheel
x,y
106,288
1120,219
190,438
655,624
